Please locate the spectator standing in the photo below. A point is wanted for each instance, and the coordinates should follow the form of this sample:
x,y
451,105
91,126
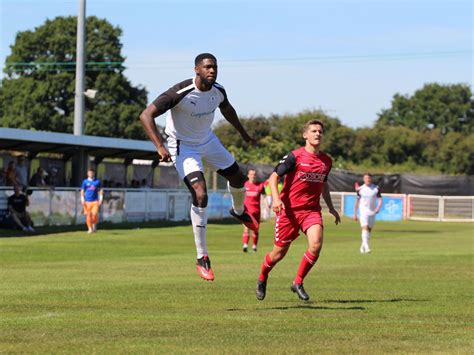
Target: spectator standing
x,y
11,175
22,170
91,200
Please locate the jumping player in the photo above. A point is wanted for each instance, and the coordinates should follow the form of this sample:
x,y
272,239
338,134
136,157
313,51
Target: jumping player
x,y
253,191
297,208
91,200
191,105
366,196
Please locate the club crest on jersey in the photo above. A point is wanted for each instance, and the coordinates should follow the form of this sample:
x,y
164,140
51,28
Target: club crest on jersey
x,y
311,177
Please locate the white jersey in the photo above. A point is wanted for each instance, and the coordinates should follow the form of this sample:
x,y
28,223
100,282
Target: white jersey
x,y
190,111
367,196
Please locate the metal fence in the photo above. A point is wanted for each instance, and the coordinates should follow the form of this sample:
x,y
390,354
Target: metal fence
x,y
440,208
62,206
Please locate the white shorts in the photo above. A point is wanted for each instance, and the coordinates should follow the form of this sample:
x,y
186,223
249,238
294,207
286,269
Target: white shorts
x,y
269,199
188,158
367,220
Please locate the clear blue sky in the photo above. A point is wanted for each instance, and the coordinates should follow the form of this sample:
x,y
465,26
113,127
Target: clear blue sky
x,y
346,57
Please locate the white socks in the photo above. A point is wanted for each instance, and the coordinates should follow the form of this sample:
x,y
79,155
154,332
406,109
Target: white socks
x,y
199,221
238,197
365,240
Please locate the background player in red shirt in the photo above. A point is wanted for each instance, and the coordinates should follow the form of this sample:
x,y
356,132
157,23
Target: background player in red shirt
x,y
306,170
253,191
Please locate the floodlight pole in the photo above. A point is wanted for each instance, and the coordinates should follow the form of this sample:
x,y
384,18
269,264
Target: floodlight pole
x,y
79,162
80,70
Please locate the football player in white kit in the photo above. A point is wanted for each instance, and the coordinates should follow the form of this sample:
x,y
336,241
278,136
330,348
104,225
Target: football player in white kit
x,y
369,200
190,107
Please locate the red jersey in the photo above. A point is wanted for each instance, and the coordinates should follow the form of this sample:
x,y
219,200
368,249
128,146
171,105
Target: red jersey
x,y
305,174
252,195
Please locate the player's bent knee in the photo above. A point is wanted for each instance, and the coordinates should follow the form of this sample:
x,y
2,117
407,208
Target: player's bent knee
x,y
234,175
278,254
201,200
315,249
196,184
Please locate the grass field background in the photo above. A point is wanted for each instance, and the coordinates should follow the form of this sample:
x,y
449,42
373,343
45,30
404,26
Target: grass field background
x,y
136,290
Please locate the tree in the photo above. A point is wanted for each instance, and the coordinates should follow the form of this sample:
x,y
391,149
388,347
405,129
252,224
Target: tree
x,y
449,108
456,154
38,89
277,135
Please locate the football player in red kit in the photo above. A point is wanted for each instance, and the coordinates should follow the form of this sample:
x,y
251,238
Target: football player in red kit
x,y
306,171
253,191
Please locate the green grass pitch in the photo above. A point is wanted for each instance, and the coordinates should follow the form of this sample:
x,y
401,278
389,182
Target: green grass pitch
x,y
136,291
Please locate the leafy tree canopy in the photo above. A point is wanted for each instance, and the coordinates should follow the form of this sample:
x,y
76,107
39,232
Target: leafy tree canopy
x,y
38,89
450,108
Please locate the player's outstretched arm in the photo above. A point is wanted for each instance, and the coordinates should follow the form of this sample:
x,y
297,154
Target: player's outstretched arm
x,y
328,200
147,118
230,115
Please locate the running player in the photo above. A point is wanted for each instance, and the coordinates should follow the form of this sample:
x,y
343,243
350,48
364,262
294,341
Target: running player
x,y
191,105
253,191
91,200
366,196
306,172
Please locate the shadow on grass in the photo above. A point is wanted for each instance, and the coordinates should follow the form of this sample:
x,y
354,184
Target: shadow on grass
x,y
426,231
307,305
391,300
47,230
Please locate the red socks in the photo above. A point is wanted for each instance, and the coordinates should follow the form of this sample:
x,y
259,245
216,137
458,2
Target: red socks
x,y
307,262
267,266
245,238
255,238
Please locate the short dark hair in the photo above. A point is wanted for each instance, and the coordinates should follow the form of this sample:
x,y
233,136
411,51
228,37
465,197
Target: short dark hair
x,y
202,56
91,169
311,122
367,174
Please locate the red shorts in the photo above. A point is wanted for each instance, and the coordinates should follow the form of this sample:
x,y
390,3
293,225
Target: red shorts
x,y
254,212
289,223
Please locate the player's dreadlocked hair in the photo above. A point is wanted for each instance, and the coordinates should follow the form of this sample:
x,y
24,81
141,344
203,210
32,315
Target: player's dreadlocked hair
x,y
309,123
203,56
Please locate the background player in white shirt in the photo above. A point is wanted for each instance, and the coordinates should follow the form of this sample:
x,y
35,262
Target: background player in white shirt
x,y
190,107
369,200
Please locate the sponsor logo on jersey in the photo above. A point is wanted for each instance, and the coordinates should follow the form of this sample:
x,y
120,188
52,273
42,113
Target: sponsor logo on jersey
x,y
311,177
200,114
